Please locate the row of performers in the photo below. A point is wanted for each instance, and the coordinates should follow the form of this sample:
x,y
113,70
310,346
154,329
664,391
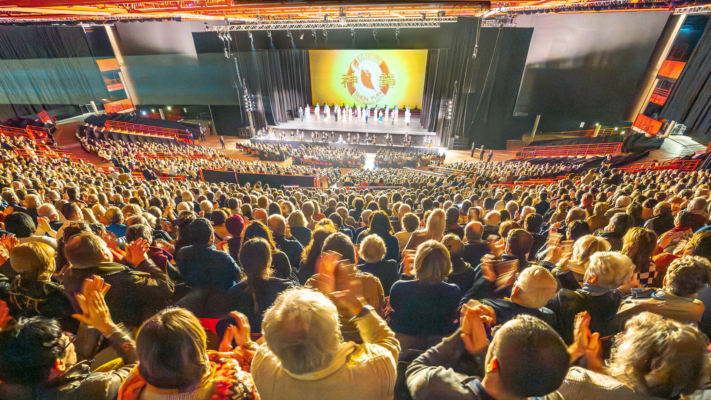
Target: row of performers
x,y
352,139
347,113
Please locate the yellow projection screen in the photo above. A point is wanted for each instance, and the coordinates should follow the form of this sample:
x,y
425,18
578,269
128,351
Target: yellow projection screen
x,y
368,77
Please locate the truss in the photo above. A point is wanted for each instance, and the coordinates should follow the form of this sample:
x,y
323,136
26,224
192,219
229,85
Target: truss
x,y
350,23
693,10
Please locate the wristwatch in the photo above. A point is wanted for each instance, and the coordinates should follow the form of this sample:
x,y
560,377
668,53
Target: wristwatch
x,y
363,312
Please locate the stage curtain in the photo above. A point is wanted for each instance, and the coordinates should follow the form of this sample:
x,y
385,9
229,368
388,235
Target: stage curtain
x,y
690,99
281,81
48,65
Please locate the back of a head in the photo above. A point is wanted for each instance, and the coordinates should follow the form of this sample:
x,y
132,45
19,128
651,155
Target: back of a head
x,y
453,244
137,231
686,276
660,357
473,231
432,262
622,223
336,219
29,349
34,261
612,269
535,287
255,257
277,224
532,358
372,249
84,250
520,242
410,222
533,223
171,349
301,329
341,244
200,231
452,215
20,224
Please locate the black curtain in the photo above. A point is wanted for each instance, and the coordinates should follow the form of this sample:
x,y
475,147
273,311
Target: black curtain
x,y
48,65
690,100
486,85
281,81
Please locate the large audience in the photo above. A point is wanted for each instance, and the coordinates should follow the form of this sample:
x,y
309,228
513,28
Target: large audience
x,y
398,283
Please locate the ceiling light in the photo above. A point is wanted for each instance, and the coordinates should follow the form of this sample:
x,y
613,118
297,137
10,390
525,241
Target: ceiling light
x,y
301,37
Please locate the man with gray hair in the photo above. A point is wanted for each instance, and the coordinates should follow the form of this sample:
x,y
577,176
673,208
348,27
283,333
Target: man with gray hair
x,y
697,208
474,247
291,247
305,358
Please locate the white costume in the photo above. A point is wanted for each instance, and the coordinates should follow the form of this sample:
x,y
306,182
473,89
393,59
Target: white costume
x,y
317,111
407,117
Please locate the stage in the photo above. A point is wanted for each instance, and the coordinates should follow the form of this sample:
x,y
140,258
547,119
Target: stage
x,y
368,148
355,126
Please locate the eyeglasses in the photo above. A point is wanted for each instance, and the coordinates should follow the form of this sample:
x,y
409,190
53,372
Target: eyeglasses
x,y
72,337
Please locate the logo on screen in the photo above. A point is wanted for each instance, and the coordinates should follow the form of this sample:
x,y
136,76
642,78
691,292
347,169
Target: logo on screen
x,y
368,78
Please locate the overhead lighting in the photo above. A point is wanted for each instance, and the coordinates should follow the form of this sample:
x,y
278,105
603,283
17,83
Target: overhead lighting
x,y
313,33
397,34
269,33
288,34
153,110
251,37
169,108
301,37
375,34
353,33
144,113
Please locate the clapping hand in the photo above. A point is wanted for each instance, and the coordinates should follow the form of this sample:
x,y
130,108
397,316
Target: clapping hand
x,y
44,224
136,252
239,333
9,241
473,325
586,344
95,311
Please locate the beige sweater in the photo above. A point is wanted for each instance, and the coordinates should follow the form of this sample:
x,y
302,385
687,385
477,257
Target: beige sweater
x,y
358,372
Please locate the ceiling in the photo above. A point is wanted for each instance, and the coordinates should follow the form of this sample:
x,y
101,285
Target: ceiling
x,y
241,11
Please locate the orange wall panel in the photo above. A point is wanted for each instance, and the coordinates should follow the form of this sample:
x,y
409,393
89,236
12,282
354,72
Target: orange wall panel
x,y
110,64
671,69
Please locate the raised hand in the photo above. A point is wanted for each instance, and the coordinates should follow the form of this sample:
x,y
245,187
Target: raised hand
x,y
136,252
473,328
44,224
240,333
95,311
9,241
348,302
585,343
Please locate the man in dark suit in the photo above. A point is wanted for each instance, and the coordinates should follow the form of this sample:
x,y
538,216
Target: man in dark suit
x,y
475,248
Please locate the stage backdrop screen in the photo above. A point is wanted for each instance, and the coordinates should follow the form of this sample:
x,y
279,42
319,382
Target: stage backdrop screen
x,y
368,77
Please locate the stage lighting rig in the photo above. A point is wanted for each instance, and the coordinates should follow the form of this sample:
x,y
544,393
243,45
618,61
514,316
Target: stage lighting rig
x,y
325,18
313,33
441,14
342,15
269,33
251,37
424,16
301,37
288,34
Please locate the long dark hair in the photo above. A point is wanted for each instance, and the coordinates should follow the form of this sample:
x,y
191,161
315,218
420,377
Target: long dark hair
x,y
380,225
257,229
255,257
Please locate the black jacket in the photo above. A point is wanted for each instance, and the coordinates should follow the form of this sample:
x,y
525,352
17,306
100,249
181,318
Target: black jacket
x,y
506,310
302,234
474,251
292,249
203,267
135,295
602,304
386,271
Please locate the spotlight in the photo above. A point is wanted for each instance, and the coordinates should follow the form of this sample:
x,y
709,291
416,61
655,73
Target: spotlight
x,y
153,110
353,33
269,33
375,34
301,37
251,37
397,34
476,50
169,108
144,113
325,33
288,34
313,33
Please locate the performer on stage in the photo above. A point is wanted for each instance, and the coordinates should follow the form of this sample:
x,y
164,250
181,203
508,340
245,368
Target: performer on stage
x,y
358,113
317,110
397,113
301,114
326,112
407,116
307,111
335,112
377,115
393,118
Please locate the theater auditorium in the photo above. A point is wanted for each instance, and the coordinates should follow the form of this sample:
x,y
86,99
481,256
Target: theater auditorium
x,y
355,200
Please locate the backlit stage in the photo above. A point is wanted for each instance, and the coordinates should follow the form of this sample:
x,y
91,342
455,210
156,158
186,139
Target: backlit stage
x,y
359,126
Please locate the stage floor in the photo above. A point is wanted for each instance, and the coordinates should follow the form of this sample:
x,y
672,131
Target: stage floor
x,y
356,126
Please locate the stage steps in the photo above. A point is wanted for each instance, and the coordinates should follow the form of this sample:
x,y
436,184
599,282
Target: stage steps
x,y
680,146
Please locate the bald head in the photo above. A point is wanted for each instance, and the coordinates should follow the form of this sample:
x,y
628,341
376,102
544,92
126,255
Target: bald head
x,y
534,288
260,215
474,231
277,224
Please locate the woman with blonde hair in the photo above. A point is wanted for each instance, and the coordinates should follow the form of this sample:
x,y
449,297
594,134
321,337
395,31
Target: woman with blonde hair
x,y
434,230
174,361
297,227
424,309
583,249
